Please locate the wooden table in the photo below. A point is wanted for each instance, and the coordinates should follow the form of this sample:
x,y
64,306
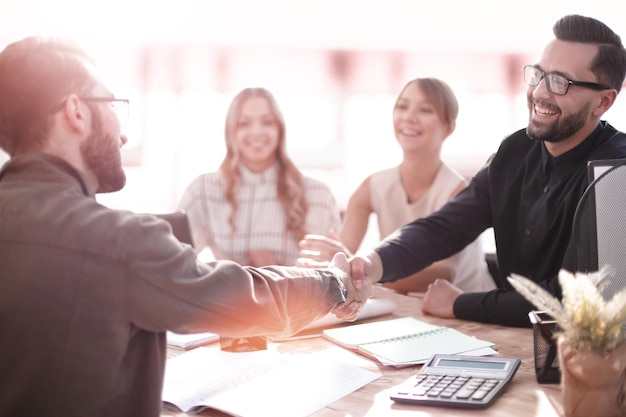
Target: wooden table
x,y
523,397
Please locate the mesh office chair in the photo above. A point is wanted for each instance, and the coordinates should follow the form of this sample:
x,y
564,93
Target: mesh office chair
x,y
600,226
599,230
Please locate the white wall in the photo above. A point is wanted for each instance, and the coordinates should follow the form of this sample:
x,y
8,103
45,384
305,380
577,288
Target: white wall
x,y
339,129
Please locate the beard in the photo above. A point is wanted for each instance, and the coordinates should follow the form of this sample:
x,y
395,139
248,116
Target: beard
x,y
559,130
102,156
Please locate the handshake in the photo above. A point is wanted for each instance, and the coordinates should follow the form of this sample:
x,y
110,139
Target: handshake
x,y
356,273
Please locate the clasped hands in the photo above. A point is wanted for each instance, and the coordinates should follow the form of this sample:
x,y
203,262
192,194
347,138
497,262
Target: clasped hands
x,y
316,250
356,282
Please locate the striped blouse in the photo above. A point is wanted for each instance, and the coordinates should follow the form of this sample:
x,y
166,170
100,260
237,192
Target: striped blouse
x,y
260,217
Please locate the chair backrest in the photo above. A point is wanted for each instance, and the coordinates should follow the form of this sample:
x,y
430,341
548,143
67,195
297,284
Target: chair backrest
x,y
599,226
180,225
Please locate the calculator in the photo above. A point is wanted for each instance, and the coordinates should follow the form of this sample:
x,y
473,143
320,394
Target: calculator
x,y
458,381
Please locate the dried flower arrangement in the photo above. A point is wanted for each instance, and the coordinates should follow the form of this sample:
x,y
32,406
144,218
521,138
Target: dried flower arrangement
x,y
585,318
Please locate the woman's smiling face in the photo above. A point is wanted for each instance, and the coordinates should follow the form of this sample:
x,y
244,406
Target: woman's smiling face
x,y
417,125
257,134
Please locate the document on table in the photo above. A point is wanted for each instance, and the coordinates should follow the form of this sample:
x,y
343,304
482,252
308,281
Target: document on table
x,y
258,383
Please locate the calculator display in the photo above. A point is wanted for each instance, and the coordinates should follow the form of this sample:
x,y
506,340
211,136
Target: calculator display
x,y
500,366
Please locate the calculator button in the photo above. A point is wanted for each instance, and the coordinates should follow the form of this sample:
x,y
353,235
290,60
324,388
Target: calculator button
x,y
464,393
480,394
447,393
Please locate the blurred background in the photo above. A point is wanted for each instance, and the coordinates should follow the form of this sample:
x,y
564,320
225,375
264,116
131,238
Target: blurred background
x,y
335,67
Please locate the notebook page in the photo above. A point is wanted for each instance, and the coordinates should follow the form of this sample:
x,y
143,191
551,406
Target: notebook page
x,y
358,334
419,348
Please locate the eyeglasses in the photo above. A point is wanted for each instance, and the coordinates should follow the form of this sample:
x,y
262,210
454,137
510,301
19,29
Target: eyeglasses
x,y
556,83
119,105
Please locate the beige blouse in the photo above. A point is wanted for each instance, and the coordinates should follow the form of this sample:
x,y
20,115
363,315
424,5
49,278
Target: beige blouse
x,y
390,203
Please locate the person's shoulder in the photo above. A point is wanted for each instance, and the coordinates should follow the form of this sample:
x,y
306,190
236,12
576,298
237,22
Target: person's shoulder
x,y
517,138
129,231
384,176
447,171
514,145
387,172
106,231
214,176
117,219
207,182
611,143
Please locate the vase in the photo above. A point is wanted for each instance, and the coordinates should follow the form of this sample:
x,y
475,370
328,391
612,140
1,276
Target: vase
x,y
592,385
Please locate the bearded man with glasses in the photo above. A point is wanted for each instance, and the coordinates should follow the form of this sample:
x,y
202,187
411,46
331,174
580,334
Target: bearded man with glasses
x,y
529,189
87,293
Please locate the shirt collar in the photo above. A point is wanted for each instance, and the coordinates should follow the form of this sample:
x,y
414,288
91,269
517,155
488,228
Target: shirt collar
x,y
47,168
572,158
257,178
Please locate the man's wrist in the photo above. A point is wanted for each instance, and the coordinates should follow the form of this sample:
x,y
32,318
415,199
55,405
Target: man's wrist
x,y
466,305
375,272
342,300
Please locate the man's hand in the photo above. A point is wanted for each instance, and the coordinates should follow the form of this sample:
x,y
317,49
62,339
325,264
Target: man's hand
x,y
357,296
365,268
439,299
317,250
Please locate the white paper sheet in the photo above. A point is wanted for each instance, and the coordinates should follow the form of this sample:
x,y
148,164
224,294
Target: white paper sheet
x,y
259,383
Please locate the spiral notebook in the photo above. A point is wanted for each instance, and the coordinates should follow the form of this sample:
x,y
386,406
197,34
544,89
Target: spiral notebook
x,y
406,341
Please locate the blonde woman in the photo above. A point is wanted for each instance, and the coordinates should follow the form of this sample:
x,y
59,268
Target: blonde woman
x,y
424,115
256,208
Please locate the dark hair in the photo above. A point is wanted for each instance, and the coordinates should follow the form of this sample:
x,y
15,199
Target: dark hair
x,y
36,73
609,64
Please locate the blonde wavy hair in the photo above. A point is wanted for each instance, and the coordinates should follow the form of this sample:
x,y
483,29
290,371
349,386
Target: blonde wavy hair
x,y
289,184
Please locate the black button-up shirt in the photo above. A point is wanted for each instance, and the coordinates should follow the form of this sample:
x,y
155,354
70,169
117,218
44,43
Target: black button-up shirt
x,y
529,198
